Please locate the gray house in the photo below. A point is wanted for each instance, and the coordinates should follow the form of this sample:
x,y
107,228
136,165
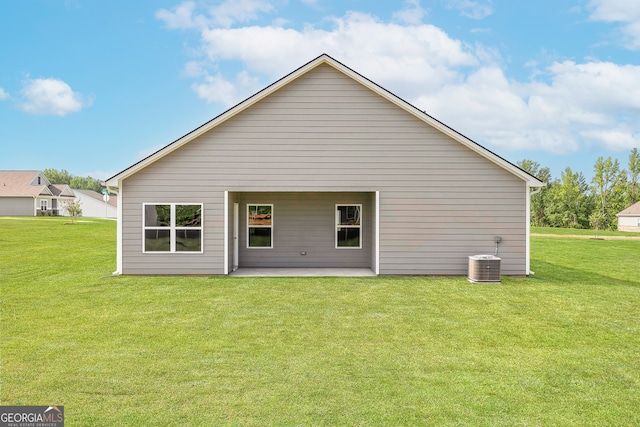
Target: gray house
x,y
29,193
323,168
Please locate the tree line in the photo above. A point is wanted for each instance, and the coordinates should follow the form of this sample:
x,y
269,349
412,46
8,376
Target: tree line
x,y
567,202
81,183
572,202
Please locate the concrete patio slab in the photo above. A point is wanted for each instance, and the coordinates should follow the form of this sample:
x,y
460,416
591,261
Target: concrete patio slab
x,y
303,272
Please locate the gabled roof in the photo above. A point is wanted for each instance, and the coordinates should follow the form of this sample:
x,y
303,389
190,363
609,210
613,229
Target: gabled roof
x,y
61,190
326,59
25,184
22,184
633,210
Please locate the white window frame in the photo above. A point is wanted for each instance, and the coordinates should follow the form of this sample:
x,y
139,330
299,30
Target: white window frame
x,y
260,226
173,228
44,204
338,226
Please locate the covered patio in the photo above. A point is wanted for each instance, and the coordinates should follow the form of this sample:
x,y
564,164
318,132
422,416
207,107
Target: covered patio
x,y
319,234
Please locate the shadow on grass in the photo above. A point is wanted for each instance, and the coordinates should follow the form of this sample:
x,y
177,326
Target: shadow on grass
x,y
559,274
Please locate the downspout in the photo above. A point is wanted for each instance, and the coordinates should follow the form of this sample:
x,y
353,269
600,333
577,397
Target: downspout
x,y
225,234
119,228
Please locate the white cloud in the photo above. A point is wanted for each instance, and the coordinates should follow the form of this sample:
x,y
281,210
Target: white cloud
x,y
233,11
181,17
194,69
614,10
598,86
472,9
405,55
621,139
584,104
624,12
225,14
3,94
411,14
561,108
218,89
51,97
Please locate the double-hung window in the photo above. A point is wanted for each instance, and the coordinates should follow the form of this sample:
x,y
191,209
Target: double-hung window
x,y
260,226
172,227
348,226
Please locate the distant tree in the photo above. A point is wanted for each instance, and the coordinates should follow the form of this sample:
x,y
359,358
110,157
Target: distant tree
x,y
58,177
568,203
619,196
87,183
597,221
73,209
64,177
606,185
633,178
538,200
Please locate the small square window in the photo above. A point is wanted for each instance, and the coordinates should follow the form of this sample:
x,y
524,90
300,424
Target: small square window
x,y
188,240
157,216
157,240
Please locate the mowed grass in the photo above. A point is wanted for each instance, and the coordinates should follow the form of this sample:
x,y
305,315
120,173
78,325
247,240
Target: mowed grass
x,y
559,348
544,231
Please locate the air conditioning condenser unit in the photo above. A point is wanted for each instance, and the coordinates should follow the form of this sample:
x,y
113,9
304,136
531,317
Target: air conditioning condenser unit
x,y
484,268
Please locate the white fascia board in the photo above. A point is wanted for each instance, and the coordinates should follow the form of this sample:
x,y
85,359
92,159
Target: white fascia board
x,y
67,191
45,188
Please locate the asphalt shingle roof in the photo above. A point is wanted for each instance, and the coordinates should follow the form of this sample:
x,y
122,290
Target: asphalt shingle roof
x,y
631,210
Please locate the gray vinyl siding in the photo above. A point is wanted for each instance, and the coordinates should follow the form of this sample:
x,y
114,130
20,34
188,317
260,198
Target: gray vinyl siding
x,y
137,262
439,201
305,222
16,206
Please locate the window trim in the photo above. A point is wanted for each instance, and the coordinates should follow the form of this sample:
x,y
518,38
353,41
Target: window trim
x,y
337,225
173,228
44,204
260,226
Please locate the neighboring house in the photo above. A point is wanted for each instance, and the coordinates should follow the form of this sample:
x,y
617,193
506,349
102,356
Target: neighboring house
x,y
323,168
629,219
93,204
29,193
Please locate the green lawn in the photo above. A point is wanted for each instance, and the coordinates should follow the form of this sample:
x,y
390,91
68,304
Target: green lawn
x,y
581,232
559,348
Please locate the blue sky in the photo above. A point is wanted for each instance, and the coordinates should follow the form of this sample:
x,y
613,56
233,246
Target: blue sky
x,y
94,86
